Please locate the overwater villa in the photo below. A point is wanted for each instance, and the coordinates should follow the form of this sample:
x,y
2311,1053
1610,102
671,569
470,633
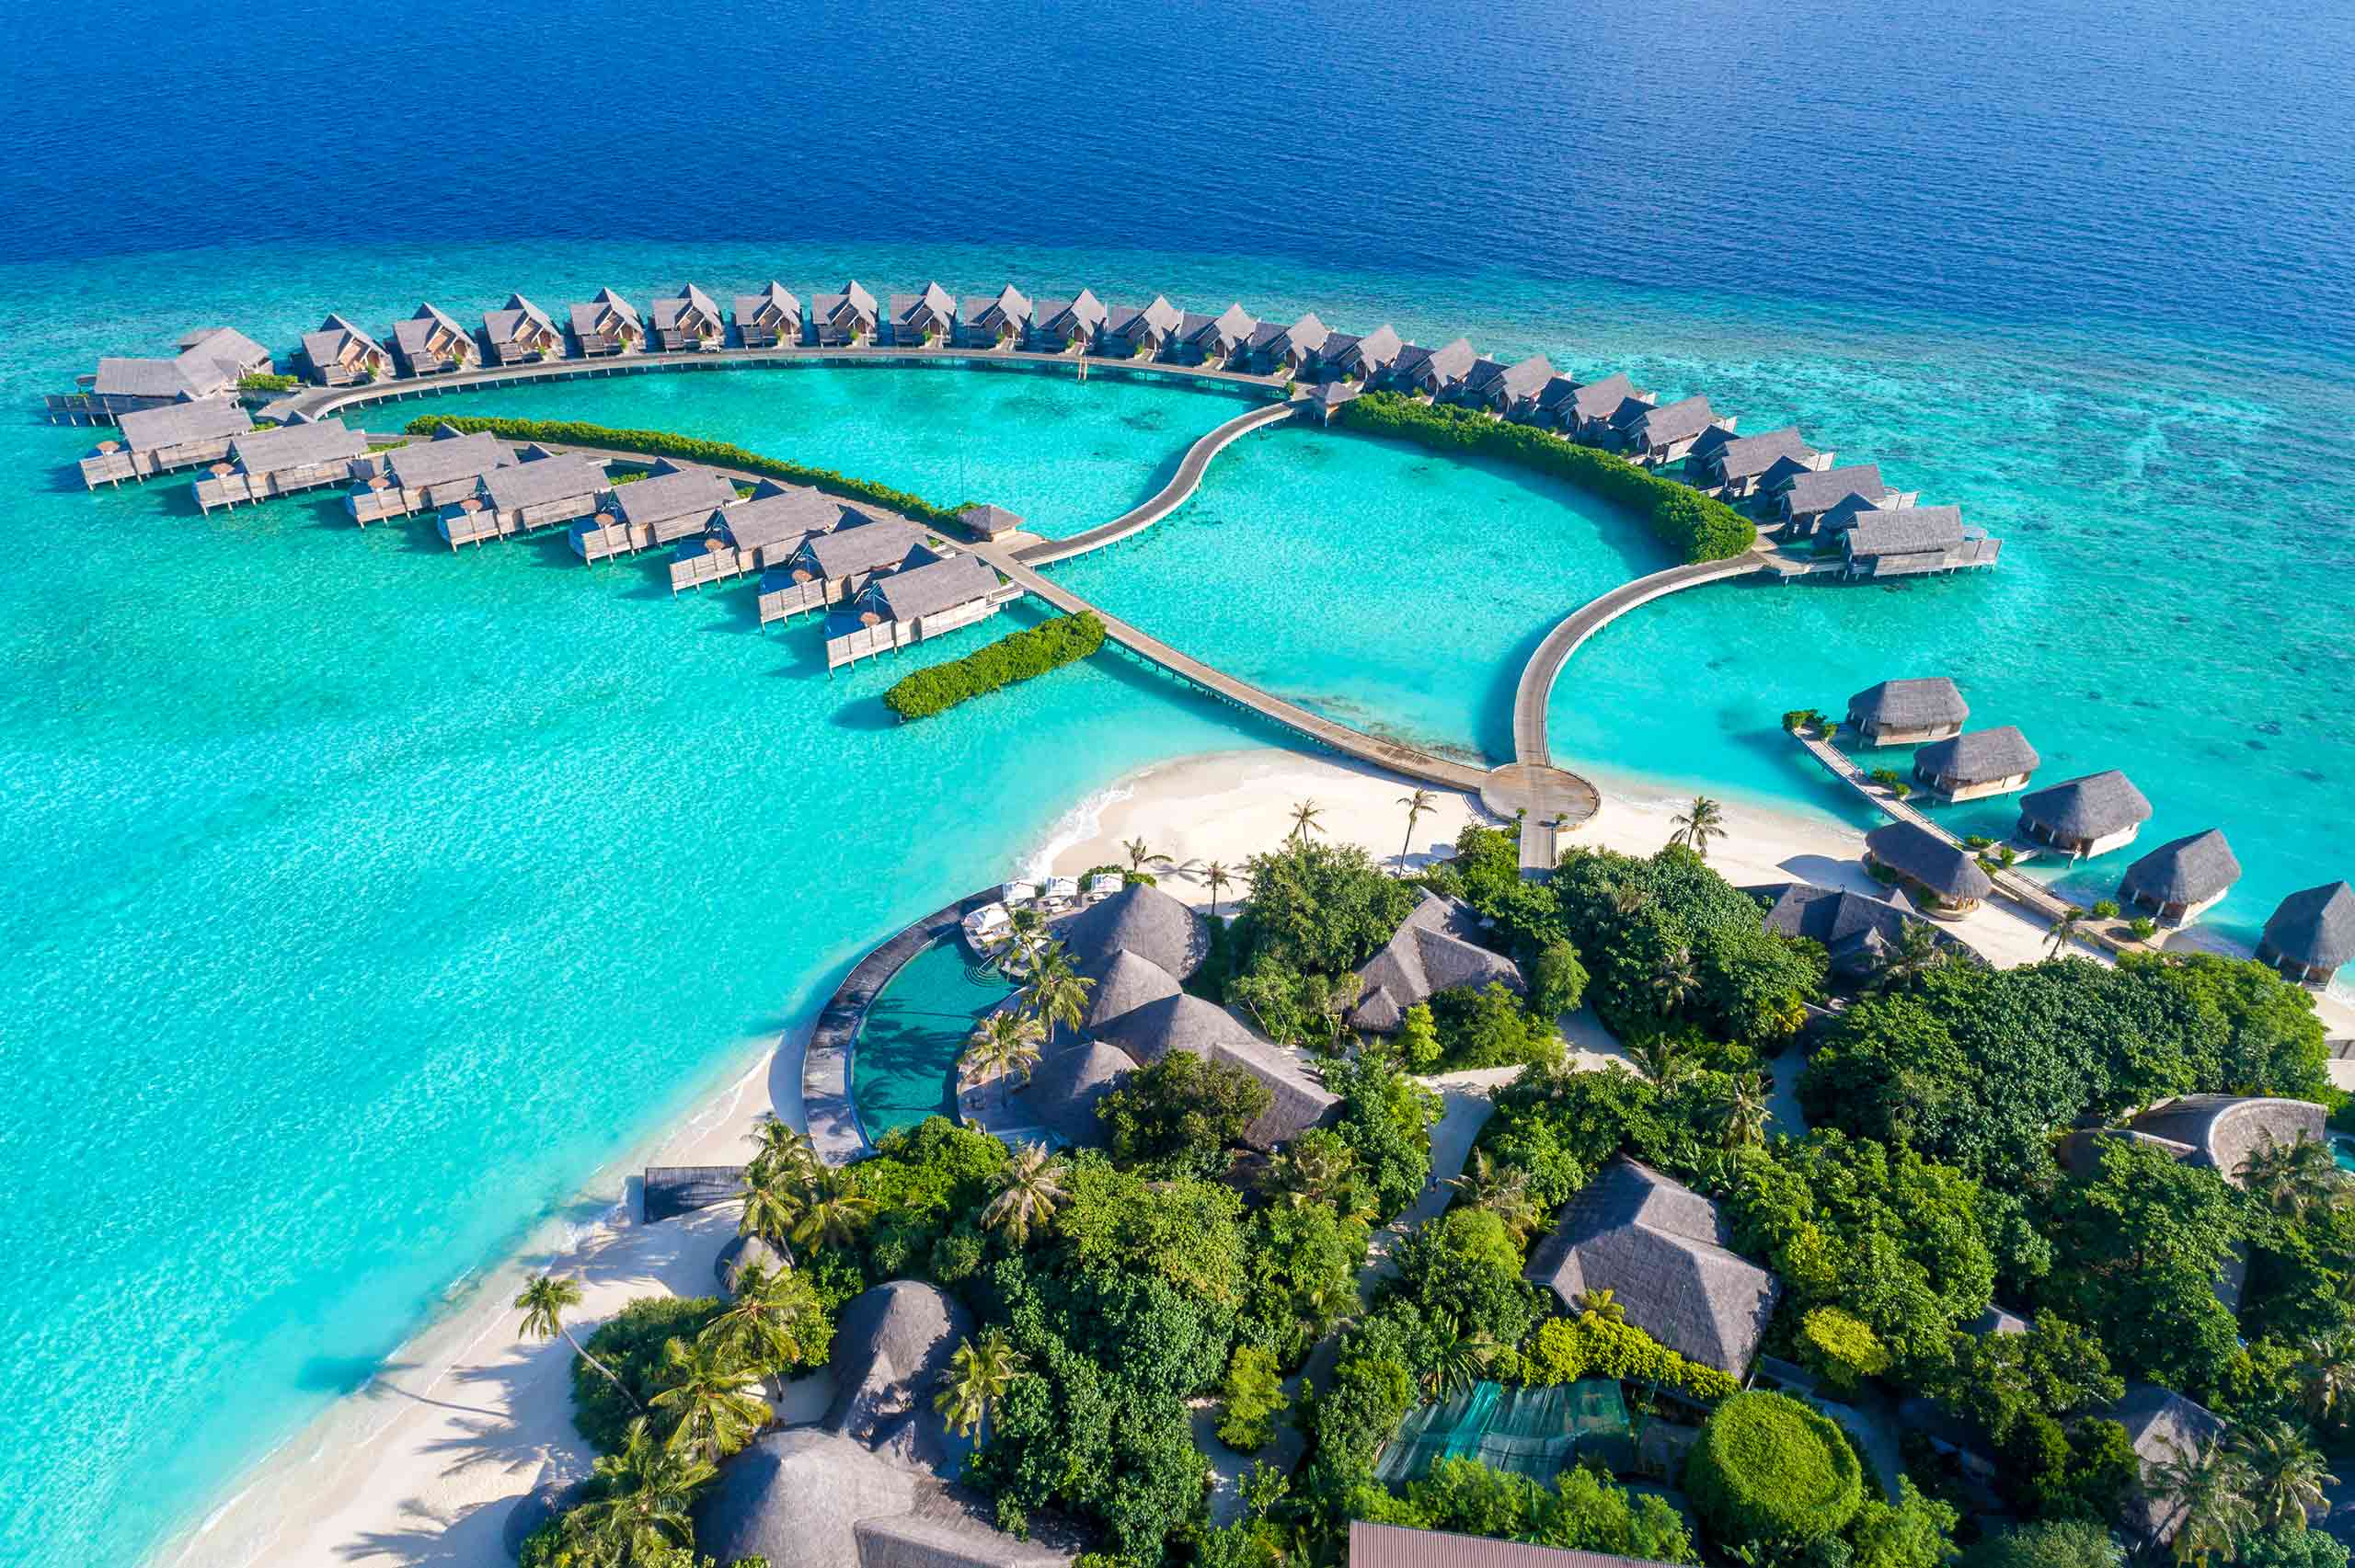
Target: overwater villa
x,y
1364,359
1217,340
605,326
1073,326
279,461
1437,947
2182,879
1299,350
1510,392
167,437
2310,933
1802,500
425,475
846,319
1666,432
1906,712
1944,878
209,363
769,318
2087,816
1976,765
1595,409
1001,321
1330,396
1667,1257
1434,372
688,319
520,331
1141,332
540,489
833,565
1856,931
341,354
923,319
432,342
673,501
989,522
930,597
1743,466
756,535
1910,540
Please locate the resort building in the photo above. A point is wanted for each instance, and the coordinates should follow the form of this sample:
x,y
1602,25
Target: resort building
x,y
1362,360
281,461
211,362
2310,933
1437,947
2163,1428
1396,1546
431,474
769,318
1859,932
1944,878
925,319
1906,712
929,597
752,535
1217,340
1596,409
2220,1132
2181,880
341,354
541,489
607,325
669,504
1329,397
1298,349
1666,433
1510,392
1743,466
1912,539
1073,326
1002,322
1434,372
688,319
829,566
988,522
1667,1257
1141,333
520,331
1974,766
167,437
2087,816
1803,498
430,342
847,319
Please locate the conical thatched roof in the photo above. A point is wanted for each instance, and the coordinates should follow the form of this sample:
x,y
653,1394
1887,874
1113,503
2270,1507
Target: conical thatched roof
x,y
1981,757
1204,1029
2315,927
892,1346
2183,871
1924,857
1063,1091
1145,920
743,1252
1178,1023
2093,806
1124,981
795,1497
1924,703
1436,948
2161,1426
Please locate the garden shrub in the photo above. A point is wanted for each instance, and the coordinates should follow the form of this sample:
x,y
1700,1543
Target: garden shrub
x,y
1767,1468
1590,1345
631,1343
1016,657
1843,1347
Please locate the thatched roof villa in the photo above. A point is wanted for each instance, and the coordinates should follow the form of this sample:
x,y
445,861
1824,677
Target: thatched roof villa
x,y
1434,372
1218,339
341,354
2182,879
170,435
1909,712
606,325
994,322
1978,764
431,342
1510,392
544,488
1363,359
520,331
281,461
1299,348
673,501
989,522
1666,432
2310,933
1142,921
929,316
1802,498
1143,332
847,316
1062,325
933,588
688,319
209,363
1944,878
1909,541
1858,931
1437,947
769,318
2087,816
1742,465
2163,1427
434,473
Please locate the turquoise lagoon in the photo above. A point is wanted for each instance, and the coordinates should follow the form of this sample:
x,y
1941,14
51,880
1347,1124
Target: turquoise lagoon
x,y
366,902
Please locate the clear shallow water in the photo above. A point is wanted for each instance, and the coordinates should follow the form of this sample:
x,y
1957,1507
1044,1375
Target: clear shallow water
x,y
905,1067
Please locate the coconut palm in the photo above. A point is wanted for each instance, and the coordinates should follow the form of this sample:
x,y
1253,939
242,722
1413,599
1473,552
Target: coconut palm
x,y
708,1395
1304,814
1216,876
2326,1373
639,1505
1462,1358
2289,1480
773,1198
1422,800
978,1378
771,1322
1024,928
2297,1179
1056,993
1603,1304
2063,932
1660,1057
778,1146
831,1212
544,1301
1741,1109
1676,980
1141,854
1026,1194
1002,1043
1502,1190
2208,1489
1698,823
1915,954
1313,1169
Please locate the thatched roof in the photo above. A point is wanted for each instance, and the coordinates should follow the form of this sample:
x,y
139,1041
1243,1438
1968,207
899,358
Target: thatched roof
x,y
1981,757
1661,1250
931,586
1746,457
1188,1024
1818,490
989,522
1854,928
1124,981
297,446
447,457
742,1253
1921,856
1064,1089
2161,1425
204,418
1924,703
2222,1130
662,497
2315,927
912,1540
1437,947
892,1346
2091,807
2183,871
795,1497
562,478
1396,1546
1145,920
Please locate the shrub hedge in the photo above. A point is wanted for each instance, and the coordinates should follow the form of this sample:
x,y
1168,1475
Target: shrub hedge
x,y
1768,1469
1695,526
692,449
1591,1346
1018,656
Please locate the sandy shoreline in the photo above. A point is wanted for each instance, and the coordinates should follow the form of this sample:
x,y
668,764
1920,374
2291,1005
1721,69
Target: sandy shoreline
x,y
425,1464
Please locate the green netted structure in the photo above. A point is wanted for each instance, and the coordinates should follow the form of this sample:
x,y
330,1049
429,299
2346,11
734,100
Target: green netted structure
x,y
1532,1431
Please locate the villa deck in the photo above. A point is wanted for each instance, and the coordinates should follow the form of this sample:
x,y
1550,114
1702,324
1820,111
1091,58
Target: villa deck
x,y
869,642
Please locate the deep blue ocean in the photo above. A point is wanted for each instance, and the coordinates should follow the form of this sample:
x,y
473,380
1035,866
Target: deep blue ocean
x,y
358,904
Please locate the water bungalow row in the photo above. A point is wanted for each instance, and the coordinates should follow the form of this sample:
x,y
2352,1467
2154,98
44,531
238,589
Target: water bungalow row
x,y
2309,936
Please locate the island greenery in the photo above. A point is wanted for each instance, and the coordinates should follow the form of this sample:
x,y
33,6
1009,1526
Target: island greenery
x,y
1018,656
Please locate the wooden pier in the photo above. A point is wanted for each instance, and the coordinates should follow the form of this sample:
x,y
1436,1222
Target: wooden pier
x,y
1182,486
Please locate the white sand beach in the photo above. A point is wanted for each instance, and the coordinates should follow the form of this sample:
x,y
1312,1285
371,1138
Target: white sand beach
x,y
425,1464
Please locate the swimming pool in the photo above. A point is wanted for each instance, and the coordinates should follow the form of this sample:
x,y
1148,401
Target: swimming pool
x,y
905,1067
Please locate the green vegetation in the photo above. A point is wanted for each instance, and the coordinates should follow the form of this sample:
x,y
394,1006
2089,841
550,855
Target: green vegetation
x,y
691,448
1580,1512
1594,1345
267,380
1182,1114
1018,656
1768,1469
1696,527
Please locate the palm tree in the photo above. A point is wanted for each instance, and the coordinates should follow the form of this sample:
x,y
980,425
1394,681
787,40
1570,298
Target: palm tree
x,y
2326,1368
1626,897
544,1301
1462,1359
638,1506
1502,1190
1422,800
1698,823
2297,1179
1140,855
1056,993
831,1212
768,1323
2289,1480
1676,981
1916,954
1603,1304
1312,1170
2207,1488
2063,932
773,1198
1304,814
779,1148
1662,1058
1023,927
716,1415
1026,1193
1002,1043
978,1378
1216,876
1741,1109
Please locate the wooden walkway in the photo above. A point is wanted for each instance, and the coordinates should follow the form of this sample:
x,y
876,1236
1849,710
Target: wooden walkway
x,y
668,1190
1182,485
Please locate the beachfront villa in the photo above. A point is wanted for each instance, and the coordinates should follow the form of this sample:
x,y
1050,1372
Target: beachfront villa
x,y
2182,879
606,325
281,461
923,319
1666,432
341,354
846,319
1437,947
998,322
769,318
167,437
1975,765
688,319
540,489
1073,326
2310,933
520,331
2087,816
432,342
1667,1257
1945,878
1141,333
1907,712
